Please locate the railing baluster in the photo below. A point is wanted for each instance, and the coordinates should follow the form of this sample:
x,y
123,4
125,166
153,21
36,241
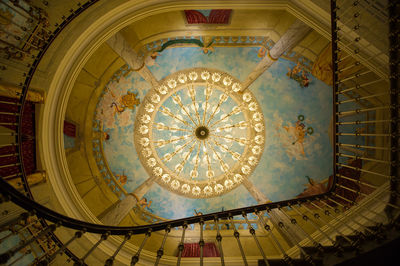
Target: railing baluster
x,y
263,224
82,260
356,181
237,235
201,242
11,177
362,146
363,60
16,232
110,261
10,103
355,203
336,210
22,217
319,217
77,234
8,165
8,155
355,64
160,251
328,213
363,122
181,244
353,220
348,9
377,199
20,257
307,219
9,113
363,98
363,134
358,86
363,170
362,158
11,252
253,233
8,145
294,221
289,234
357,111
356,75
135,258
219,239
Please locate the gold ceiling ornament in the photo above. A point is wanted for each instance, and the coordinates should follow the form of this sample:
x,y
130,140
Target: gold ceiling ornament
x,y
198,134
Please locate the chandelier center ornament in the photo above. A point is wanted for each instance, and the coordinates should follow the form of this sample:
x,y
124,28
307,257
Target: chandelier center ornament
x,y
198,133
202,132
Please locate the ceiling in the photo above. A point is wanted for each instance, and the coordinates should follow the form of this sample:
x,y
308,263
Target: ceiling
x,y
296,116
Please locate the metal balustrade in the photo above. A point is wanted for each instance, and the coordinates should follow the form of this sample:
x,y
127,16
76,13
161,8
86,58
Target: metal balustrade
x,y
340,217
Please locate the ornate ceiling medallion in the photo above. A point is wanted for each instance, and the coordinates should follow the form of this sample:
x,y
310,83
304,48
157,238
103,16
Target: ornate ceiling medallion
x,y
198,133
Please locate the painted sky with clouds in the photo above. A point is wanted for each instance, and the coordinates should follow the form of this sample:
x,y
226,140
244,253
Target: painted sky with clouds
x,y
281,173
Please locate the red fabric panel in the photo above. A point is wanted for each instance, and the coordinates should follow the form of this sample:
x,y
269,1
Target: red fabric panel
x,y
9,108
8,149
210,250
351,173
29,156
195,17
193,250
8,160
219,16
28,138
9,99
69,129
11,170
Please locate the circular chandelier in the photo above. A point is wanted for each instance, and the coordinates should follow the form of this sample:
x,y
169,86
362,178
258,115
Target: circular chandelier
x,y
198,133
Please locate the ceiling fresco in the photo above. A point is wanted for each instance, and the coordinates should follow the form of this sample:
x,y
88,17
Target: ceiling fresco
x,y
295,105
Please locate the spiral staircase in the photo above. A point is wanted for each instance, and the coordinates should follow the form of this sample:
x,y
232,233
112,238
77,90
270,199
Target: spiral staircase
x,y
344,225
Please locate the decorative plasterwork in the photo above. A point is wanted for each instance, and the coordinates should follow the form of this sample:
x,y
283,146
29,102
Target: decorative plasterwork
x,y
154,48
200,133
68,55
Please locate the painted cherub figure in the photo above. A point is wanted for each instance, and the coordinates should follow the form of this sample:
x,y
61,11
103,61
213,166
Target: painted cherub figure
x,y
293,72
261,52
128,101
122,178
305,79
151,59
300,75
197,213
299,133
145,204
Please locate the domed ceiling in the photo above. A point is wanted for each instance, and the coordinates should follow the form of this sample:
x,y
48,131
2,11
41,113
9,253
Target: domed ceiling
x,y
199,139
285,151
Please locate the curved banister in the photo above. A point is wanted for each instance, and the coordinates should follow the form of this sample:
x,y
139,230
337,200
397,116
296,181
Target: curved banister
x,y
29,76
46,214
55,217
22,100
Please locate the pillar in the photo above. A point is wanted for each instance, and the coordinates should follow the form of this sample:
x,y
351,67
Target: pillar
x,y
296,32
117,212
126,52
